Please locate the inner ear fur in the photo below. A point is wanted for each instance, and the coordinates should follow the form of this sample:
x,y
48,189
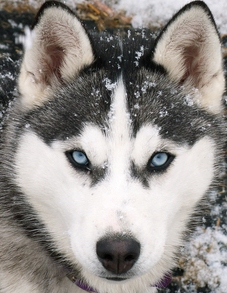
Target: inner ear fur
x,y
189,48
57,50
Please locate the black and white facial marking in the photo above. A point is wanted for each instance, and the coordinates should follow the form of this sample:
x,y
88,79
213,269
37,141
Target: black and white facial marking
x,y
149,99
122,174
120,126
115,147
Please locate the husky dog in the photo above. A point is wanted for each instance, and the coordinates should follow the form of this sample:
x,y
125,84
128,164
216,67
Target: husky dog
x,y
107,152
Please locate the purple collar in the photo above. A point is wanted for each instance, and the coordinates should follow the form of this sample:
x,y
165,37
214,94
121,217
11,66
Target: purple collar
x,y
163,283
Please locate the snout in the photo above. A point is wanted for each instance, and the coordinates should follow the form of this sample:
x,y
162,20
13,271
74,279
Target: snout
x,y
118,254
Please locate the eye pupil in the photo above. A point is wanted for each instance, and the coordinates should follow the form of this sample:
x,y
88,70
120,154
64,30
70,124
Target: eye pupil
x,y
80,158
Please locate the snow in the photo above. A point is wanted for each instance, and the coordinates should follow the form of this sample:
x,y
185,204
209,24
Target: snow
x,y
26,40
157,12
151,13
205,256
206,262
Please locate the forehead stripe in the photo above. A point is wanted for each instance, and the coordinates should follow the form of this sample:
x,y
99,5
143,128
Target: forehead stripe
x,y
119,139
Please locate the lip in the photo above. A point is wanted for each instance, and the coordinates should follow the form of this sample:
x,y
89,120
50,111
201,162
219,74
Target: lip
x,y
116,279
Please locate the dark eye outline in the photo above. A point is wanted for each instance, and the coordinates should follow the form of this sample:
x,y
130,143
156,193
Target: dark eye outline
x,y
153,168
75,164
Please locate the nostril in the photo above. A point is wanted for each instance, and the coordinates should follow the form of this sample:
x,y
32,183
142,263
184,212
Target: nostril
x,y
118,255
130,257
108,257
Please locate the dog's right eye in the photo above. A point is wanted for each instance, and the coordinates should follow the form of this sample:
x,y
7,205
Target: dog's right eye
x,y
160,161
78,159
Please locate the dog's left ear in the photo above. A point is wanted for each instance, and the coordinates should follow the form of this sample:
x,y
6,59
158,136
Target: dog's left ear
x,y
56,51
189,48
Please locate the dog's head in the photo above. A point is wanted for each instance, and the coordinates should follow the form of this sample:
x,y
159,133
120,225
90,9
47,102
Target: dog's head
x,y
116,142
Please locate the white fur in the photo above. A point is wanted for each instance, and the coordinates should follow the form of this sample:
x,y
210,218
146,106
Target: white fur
x,y
78,215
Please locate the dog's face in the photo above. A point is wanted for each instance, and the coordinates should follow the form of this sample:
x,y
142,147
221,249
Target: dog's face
x,y
114,185
113,164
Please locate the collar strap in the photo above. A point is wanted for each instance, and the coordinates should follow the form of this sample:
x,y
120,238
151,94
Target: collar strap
x,y
163,283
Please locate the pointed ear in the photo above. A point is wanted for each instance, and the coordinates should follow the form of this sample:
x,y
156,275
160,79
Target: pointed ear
x,y
189,49
57,49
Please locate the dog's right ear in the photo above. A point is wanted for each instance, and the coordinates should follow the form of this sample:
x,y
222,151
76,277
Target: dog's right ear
x,y
57,49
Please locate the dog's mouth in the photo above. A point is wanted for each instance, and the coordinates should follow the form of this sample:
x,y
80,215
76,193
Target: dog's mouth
x,y
84,286
163,283
116,279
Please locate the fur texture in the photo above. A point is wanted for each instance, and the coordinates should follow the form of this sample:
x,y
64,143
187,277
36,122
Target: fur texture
x,y
108,151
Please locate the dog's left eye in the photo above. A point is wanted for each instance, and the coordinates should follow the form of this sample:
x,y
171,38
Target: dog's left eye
x,y
160,161
78,159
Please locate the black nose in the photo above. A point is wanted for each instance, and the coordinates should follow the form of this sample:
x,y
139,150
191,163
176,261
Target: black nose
x,y
118,255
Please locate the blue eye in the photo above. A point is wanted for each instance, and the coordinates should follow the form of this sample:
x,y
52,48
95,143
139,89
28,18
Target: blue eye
x,y
160,161
78,159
